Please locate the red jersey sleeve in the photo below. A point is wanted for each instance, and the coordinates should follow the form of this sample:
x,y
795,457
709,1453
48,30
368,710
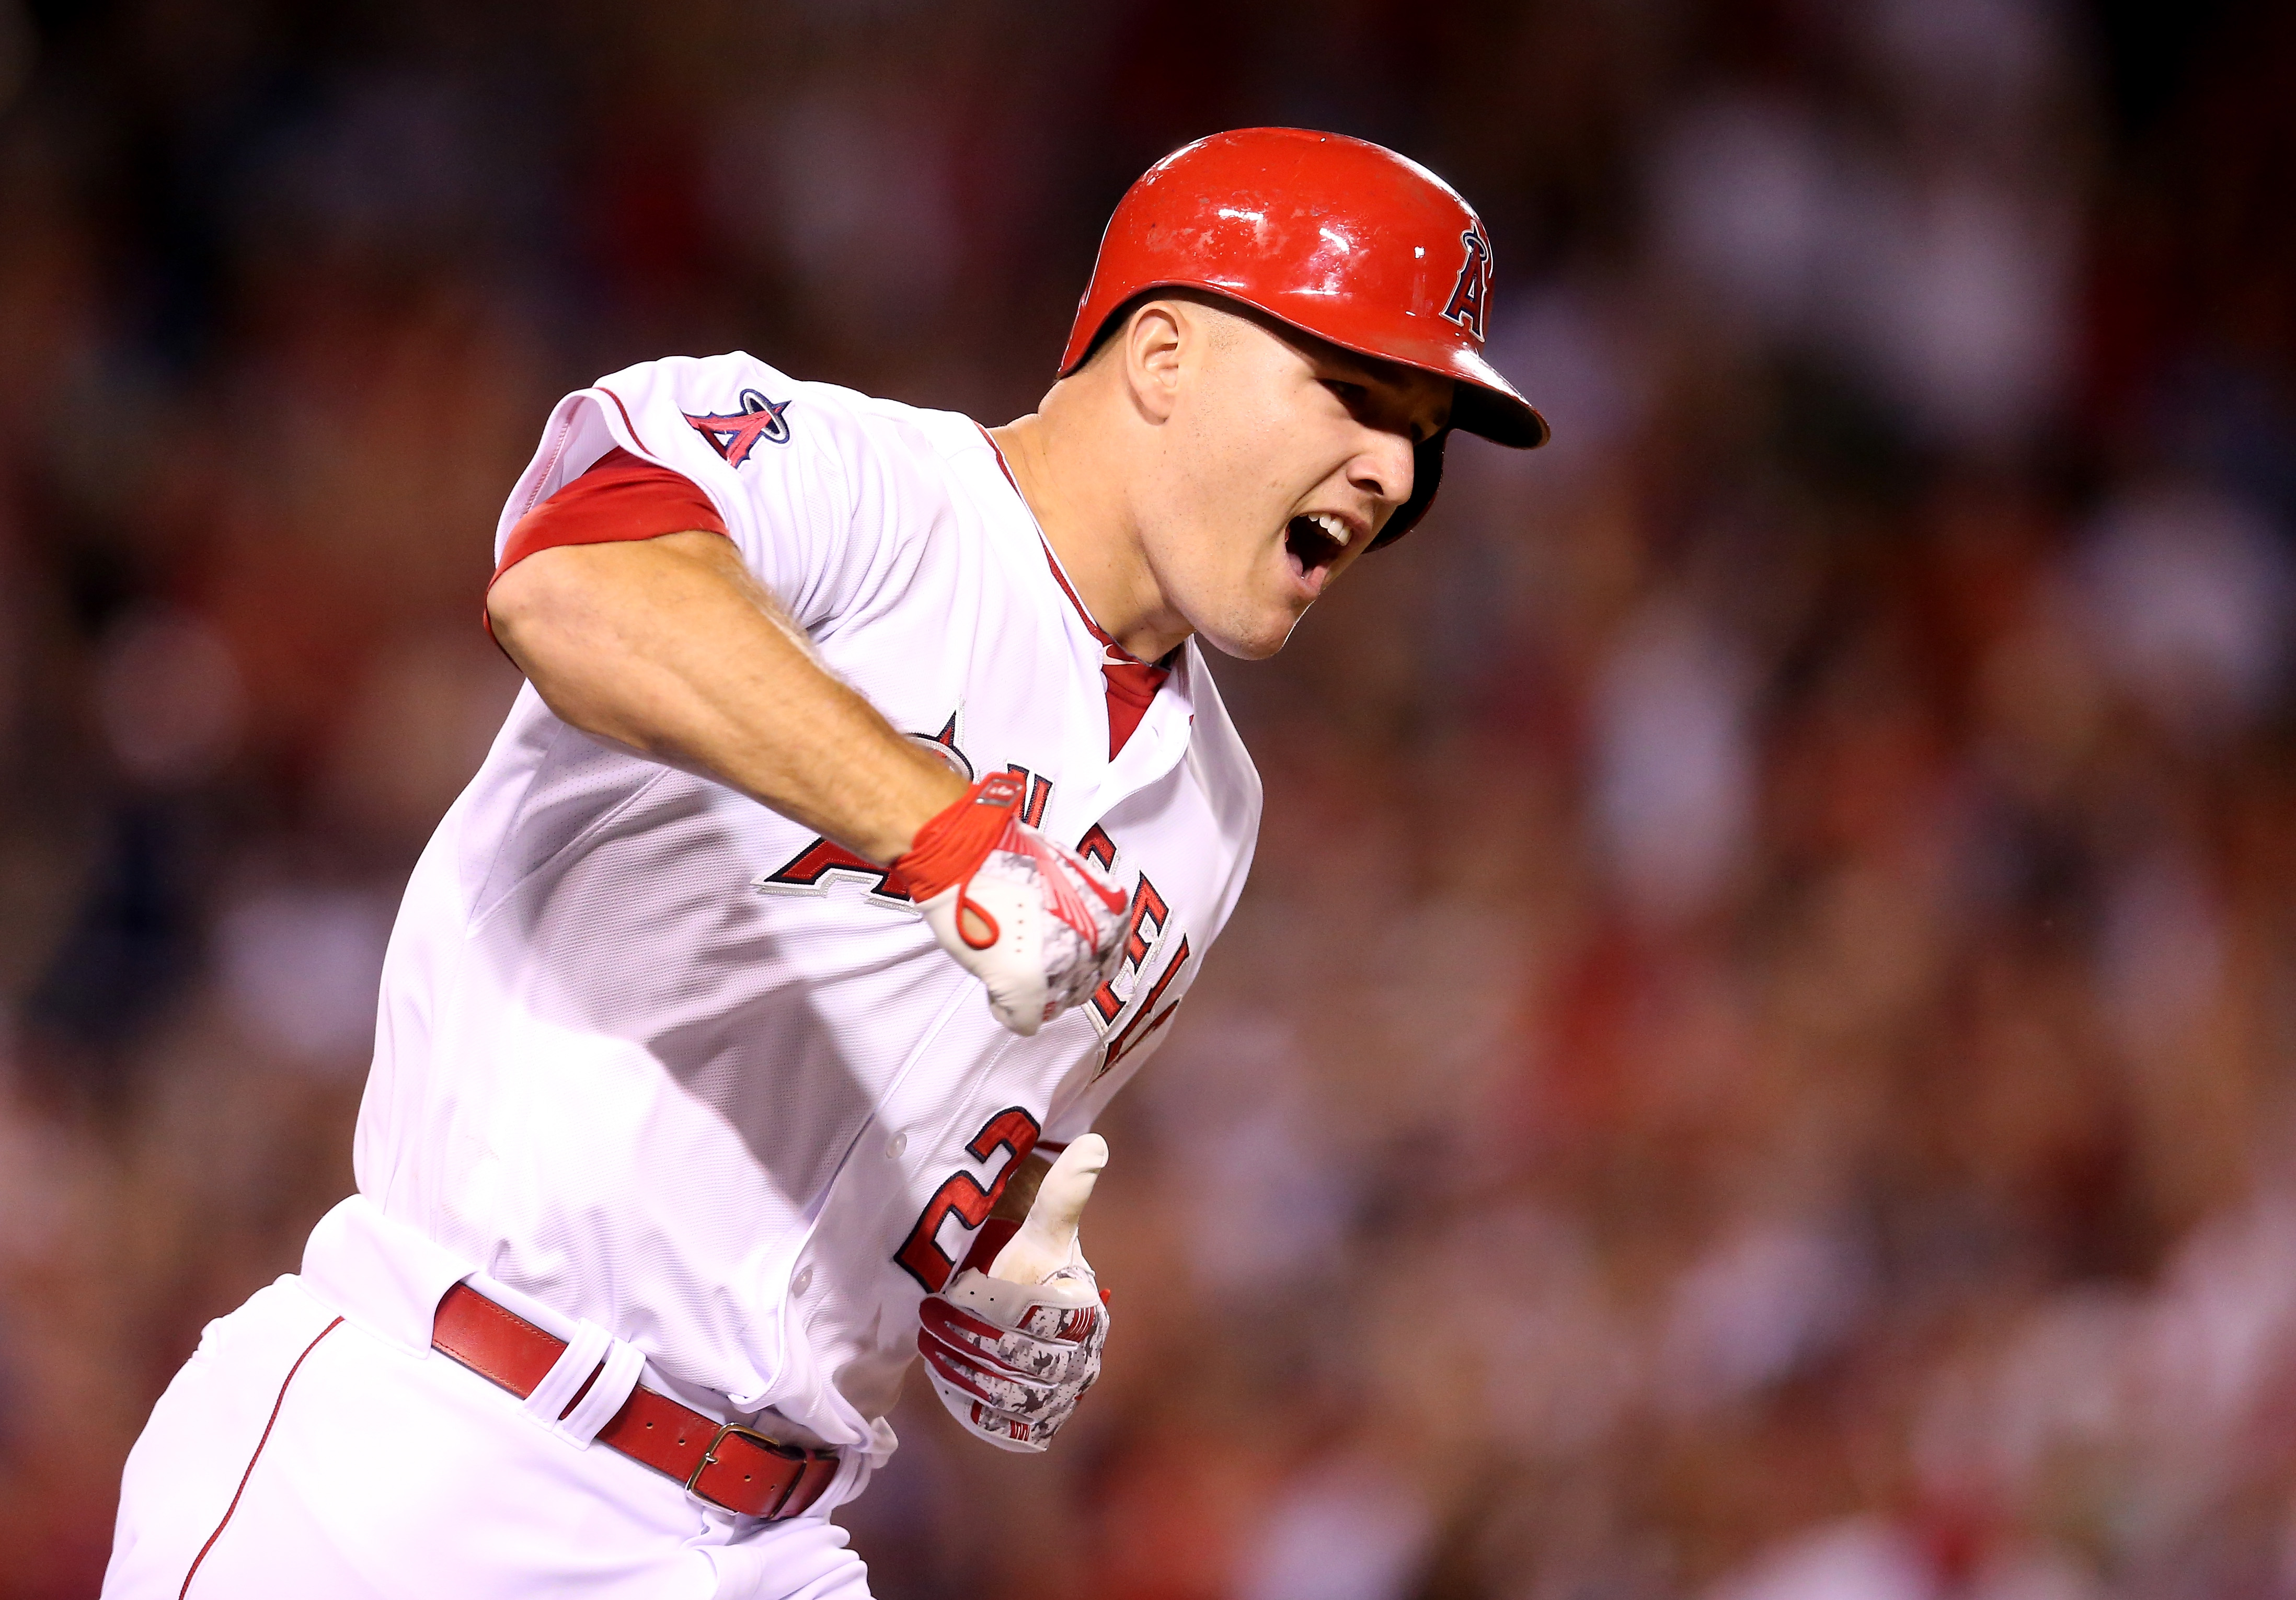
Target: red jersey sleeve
x,y
619,497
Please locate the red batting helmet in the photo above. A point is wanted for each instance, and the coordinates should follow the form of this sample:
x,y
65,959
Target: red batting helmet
x,y
1337,237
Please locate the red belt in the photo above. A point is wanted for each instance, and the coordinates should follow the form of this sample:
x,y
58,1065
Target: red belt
x,y
737,1468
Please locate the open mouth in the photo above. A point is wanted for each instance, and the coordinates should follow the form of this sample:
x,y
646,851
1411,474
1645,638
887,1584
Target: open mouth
x,y
1313,543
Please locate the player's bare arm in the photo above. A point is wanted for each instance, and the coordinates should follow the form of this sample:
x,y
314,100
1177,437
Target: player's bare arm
x,y
671,646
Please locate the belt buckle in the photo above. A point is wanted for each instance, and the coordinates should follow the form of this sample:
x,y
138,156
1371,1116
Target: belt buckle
x,y
772,1447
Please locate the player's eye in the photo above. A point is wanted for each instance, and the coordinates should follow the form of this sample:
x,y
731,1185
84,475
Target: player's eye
x,y
1361,405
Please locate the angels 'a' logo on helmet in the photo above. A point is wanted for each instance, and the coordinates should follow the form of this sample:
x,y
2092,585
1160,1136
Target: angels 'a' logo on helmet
x,y
1472,291
734,434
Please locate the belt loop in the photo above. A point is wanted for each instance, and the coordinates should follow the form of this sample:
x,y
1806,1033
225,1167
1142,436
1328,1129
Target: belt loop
x,y
575,1362
607,1396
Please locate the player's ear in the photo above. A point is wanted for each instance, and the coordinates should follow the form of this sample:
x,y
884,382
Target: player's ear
x,y
1154,340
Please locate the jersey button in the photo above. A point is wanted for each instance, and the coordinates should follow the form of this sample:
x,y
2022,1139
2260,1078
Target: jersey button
x,y
897,1148
802,1282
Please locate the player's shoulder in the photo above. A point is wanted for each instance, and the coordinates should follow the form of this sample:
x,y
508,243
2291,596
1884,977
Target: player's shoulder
x,y
735,400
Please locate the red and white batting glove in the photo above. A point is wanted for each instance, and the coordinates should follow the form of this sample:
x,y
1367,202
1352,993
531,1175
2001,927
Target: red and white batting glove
x,y
1011,1350
1037,923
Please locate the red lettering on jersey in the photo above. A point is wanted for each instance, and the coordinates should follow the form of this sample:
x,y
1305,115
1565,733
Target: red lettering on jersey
x,y
820,860
1471,293
947,740
1135,1035
1040,794
962,1196
1097,847
1149,914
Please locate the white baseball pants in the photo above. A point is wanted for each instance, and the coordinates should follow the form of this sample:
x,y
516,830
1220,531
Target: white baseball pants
x,y
298,1453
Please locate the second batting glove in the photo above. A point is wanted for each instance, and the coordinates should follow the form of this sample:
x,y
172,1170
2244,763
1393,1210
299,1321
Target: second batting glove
x,y
1011,1350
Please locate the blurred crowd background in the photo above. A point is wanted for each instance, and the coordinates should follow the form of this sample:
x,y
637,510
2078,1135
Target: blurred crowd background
x,y
1757,1063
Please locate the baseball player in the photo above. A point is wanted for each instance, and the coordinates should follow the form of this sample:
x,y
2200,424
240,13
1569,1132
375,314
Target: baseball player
x,y
866,817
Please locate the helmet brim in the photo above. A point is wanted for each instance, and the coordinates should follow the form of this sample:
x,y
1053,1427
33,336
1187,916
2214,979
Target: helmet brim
x,y
1484,404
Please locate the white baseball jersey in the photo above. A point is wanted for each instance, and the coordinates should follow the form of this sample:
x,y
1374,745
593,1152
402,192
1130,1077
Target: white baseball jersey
x,y
662,1059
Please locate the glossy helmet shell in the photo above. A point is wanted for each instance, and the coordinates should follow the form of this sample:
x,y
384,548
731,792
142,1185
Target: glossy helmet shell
x,y
1337,237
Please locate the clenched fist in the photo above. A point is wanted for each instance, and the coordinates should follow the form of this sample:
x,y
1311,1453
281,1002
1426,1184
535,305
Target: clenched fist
x,y
1036,922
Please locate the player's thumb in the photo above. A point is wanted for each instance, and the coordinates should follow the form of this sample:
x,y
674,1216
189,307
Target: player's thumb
x,y
1046,1241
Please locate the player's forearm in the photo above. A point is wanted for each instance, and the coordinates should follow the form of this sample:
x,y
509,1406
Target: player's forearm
x,y
672,647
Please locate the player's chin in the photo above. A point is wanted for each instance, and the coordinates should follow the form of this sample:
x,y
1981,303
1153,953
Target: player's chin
x,y
1258,607
1253,633
1256,645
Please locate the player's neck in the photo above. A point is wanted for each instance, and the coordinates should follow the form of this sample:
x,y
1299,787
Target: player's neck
x,y
1083,511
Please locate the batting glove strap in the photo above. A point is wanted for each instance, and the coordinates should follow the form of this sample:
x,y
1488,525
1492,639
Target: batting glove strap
x,y
1039,925
1011,1360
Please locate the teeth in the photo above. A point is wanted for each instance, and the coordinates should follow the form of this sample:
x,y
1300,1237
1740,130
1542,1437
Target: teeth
x,y
1335,530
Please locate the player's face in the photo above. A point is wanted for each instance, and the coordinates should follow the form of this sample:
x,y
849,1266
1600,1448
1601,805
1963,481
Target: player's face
x,y
1290,456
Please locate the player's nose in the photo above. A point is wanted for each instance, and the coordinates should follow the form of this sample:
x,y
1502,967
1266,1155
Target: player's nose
x,y
1383,466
